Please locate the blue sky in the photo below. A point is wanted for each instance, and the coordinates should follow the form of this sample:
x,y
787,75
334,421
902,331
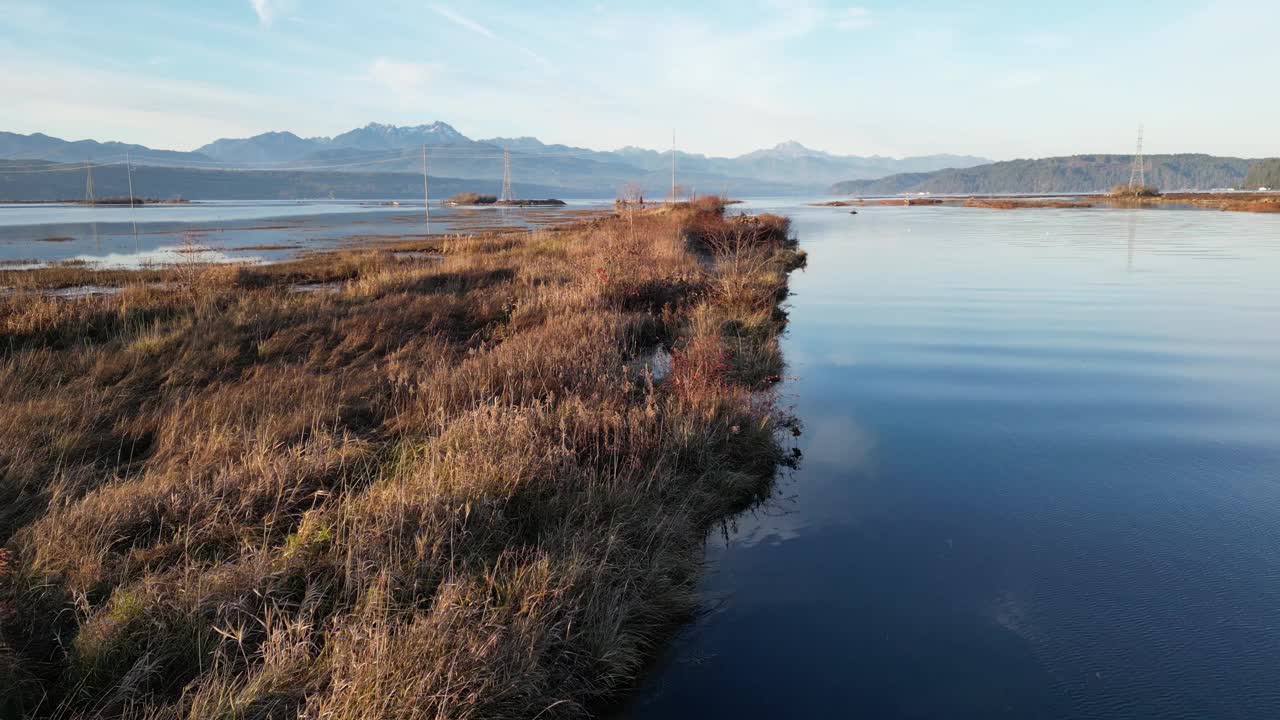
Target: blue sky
x,y
1000,79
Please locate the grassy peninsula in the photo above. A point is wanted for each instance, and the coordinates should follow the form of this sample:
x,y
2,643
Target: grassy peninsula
x,y
447,481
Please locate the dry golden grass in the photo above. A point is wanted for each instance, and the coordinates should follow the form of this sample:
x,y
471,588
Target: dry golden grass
x,y
450,489
1017,204
1234,202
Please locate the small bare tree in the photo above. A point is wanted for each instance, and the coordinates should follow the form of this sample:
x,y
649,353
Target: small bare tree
x,y
631,193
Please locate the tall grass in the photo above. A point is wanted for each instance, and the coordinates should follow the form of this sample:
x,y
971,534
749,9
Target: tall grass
x,y
447,490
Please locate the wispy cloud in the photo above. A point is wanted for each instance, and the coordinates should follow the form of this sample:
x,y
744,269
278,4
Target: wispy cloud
x,y
465,22
269,10
406,79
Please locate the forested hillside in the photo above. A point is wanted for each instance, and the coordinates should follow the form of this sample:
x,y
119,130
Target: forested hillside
x,y
1077,173
1264,173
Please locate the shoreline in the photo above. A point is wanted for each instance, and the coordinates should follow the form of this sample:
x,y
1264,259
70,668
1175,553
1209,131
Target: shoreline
x,y
1268,202
479,470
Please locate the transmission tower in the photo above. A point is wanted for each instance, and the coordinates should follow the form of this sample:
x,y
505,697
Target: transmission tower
x,y
1138,173
506,176
89,199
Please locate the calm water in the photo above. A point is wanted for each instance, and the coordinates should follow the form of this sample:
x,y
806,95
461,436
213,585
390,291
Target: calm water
x,y
259,231
1041,477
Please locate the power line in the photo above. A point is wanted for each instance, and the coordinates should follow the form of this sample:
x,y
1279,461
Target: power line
x,y
400,156
76,167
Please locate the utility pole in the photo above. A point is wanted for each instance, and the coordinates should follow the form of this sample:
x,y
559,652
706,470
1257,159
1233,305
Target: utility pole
x,y
426,191
673,166
89,199
128,164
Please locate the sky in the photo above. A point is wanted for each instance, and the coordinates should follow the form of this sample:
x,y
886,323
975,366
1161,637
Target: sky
x,y
997,79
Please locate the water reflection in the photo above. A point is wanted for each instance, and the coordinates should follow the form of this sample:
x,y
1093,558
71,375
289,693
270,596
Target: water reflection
x,y
121,237
1038,477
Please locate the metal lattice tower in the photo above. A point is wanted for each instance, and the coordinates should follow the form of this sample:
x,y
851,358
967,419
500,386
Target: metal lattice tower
x,y
1138,173
89,198
506,176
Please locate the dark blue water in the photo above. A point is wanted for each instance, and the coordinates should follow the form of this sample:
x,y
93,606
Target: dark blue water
x,y
1041,477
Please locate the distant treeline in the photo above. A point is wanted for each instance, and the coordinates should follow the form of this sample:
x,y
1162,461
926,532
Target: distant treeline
x,y
19,184
1074,174
1265,173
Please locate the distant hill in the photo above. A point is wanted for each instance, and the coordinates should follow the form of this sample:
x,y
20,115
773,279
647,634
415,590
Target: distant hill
x,y
786,169
39,146
793,163
1264,173
269,147
1077,173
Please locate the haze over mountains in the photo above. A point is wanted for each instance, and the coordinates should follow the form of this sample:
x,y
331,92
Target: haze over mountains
x,y
788,168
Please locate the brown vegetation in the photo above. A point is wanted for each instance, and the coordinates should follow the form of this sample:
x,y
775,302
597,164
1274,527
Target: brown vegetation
x,y
470,198
450,489
1011,204
549,202
1262,205
1235,202
1135,192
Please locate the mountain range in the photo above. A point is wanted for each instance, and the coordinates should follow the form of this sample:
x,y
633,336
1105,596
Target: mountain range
x,y
1071,174
788,168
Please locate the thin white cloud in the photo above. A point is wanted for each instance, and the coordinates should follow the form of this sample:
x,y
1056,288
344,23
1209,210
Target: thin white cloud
x,y
475,27
407,80
856,18
270,10
461,20
263,10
